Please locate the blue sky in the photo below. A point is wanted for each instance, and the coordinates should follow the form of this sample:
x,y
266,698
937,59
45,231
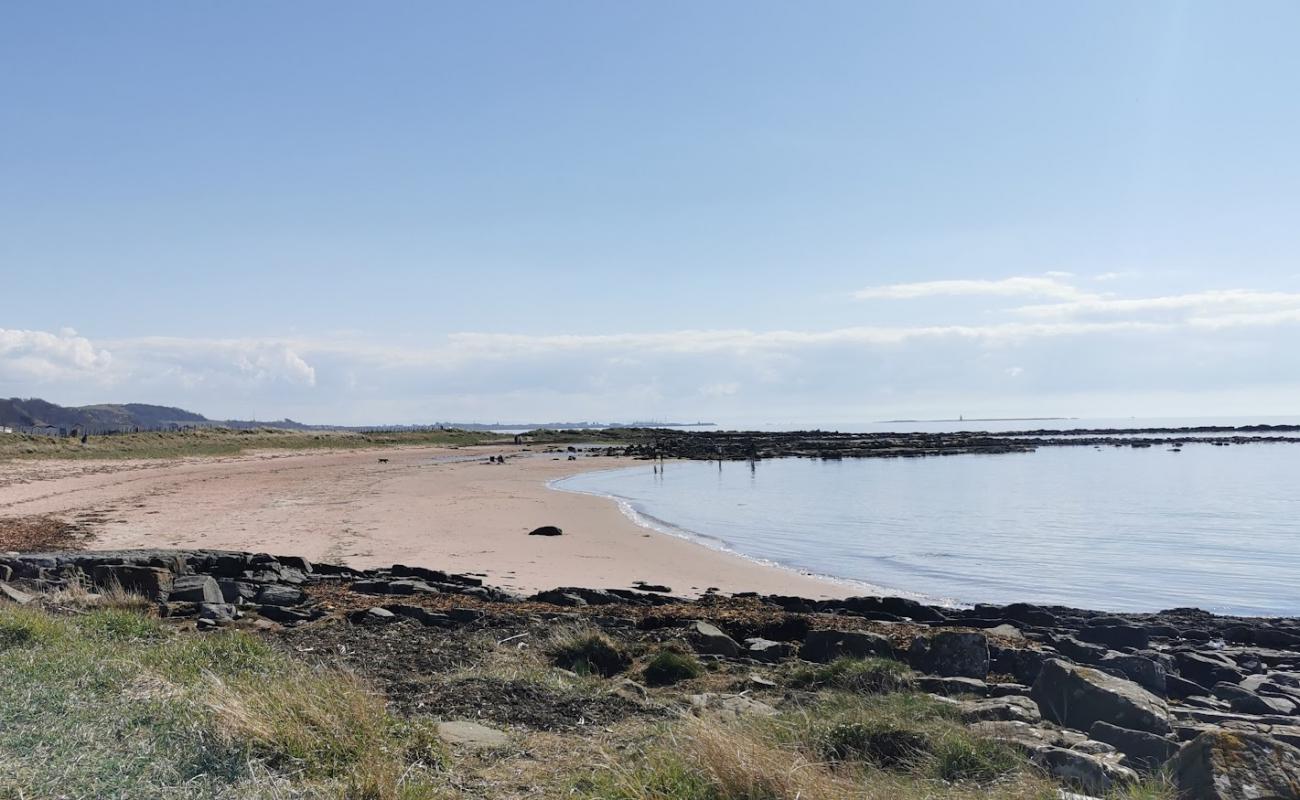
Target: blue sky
x,y
744,211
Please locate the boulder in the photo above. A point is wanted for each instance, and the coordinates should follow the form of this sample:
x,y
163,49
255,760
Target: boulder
x,y
237,591
275,595
1206,670
13,595
1233,765
195,589
767,650
546,530
708,639
1077,697
1141,670
1001,709
1083,771
826,646
151,582
951,654
1244,701
1143,751
217,612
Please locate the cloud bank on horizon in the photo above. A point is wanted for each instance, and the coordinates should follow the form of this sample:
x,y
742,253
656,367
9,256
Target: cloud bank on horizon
x,y
1046,344
752,211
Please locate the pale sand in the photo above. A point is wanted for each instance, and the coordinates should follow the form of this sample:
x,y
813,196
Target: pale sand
x,y
345,507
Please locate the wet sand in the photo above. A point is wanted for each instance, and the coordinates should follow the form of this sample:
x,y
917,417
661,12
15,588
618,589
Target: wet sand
x,y
426,507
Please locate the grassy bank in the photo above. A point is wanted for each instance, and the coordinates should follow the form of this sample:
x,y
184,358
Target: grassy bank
x,y
108,703
98,699
226,442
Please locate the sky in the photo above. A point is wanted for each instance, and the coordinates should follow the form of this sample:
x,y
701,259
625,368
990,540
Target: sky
x,y
745,211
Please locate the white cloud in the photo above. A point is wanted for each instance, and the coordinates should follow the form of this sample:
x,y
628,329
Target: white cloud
x,y
1015,372
40,356
1050,286
1232,300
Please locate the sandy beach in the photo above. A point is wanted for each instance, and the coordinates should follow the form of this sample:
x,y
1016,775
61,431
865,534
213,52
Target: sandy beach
x,y
436,507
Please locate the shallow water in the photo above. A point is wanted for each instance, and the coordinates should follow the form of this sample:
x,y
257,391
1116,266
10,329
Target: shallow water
x,y
1109,528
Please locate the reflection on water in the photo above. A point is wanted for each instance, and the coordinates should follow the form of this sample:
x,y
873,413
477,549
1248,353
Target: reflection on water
x,y
1113,528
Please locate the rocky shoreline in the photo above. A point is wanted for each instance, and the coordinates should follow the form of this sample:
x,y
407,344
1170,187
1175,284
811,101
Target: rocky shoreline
x,y
1096,699
656,443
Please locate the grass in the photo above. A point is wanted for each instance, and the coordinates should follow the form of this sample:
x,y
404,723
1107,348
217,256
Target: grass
x,y
869,675
899,746
588,652
107,703
669,666
226,442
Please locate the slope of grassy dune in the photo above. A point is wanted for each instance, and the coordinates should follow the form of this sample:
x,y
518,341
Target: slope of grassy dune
x,y
110,704
226,442
99,699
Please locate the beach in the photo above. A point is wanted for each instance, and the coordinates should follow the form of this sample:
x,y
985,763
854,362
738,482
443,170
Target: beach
x,y
444,508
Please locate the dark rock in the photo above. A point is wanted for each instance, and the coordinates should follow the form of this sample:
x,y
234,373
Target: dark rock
x,y
1116,636
1022,664
220,612
896,607
274,595
546,530
1180,688
1141,670
1244,701
1143,751
1080,651
951,654
768,651
1205,669
708,639
234,591
1232,765
424,616
288,616
1077,697
195,589
1030,615
369,616
152,582
563,596
824,646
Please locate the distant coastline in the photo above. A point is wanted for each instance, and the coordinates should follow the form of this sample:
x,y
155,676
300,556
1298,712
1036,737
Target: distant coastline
x,y
979,419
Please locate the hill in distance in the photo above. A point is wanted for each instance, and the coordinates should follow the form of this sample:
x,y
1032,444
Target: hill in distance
x,y
33,412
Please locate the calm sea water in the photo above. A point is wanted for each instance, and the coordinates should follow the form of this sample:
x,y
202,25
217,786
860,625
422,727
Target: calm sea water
x,y
1115,528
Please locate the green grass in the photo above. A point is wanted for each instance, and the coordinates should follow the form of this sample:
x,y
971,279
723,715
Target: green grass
x,y
843,746
588,653
226,442
110,704
868,675
670,666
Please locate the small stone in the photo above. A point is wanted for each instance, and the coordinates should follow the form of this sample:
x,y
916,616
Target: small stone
x,y
546,530
471,734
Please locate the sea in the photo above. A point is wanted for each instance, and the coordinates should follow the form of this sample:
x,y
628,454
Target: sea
x,y
1109,528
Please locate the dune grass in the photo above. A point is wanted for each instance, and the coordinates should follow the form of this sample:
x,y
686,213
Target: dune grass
x,y
844,746
109,704
226,442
